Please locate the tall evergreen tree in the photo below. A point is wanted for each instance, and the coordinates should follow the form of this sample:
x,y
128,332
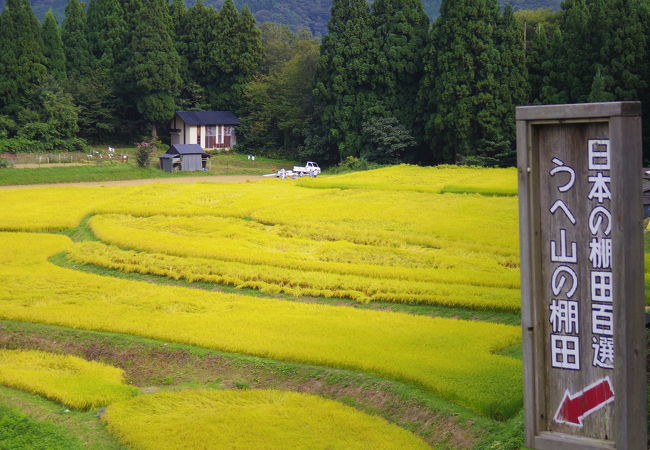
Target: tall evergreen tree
x,y
577,57
460,90
22,62
537,54
192,31
75,41
107,31
232,47
624,58
445,90
343,82
152,64
598,91
248,55
513,89
223,49
553,87
401,28
491,141
53,47
177,13
194,38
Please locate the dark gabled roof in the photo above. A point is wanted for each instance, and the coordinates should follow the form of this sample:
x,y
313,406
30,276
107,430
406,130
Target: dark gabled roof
x,y
185,149
208,117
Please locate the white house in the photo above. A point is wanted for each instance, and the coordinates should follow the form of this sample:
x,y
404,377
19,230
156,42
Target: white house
x,y
209,129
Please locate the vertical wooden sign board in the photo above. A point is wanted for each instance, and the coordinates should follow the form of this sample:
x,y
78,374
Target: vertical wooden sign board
x,y
582,277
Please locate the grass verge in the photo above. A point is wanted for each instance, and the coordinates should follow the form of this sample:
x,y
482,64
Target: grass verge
x,y
47,425
18,431
227,164
102,172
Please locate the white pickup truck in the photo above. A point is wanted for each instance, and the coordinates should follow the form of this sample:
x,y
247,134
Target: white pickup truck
x,y
311,168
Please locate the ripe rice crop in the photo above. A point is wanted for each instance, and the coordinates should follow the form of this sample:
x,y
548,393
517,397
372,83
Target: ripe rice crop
x,y
52,208
468,222
253,254
433,353
66,379
449,291
398,246
438,179
250,419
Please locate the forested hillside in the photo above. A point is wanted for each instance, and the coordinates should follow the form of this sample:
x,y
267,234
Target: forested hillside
x,y
382,86
312,14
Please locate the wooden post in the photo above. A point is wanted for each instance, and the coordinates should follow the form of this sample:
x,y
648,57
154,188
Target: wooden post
x,y
582,277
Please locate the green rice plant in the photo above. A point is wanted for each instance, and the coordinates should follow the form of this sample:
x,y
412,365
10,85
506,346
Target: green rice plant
x,y
66,379
250,419
453,359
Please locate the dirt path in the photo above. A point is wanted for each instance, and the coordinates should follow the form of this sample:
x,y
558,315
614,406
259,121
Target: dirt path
x,y
206,179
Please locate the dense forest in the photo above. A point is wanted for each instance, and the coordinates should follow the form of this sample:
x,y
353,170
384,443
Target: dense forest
x,y
383,85
312,14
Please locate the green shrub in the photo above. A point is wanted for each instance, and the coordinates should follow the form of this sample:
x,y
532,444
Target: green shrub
x,y
73,144
7,127
353,164
38,131
388,139
144,151
4,163
20,145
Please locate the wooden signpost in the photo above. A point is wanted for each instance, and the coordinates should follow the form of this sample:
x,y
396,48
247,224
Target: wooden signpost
x,y
582,277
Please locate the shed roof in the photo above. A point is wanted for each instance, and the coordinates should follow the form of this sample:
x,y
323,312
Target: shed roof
x,y
208,117
185,149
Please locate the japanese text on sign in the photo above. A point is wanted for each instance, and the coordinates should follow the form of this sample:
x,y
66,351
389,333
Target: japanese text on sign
x,y
600,255
564,308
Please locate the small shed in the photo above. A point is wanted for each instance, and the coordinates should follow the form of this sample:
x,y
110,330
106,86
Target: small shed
x,y
184,157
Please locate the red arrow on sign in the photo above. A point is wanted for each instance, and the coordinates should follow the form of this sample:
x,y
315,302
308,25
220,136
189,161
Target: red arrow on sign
x,y
574,408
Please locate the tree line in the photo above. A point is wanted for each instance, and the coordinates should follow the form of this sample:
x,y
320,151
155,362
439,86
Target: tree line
x,y
453,85
117,69
384,84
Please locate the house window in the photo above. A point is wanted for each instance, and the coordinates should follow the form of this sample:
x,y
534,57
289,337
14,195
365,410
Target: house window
x,y
210,136
219,135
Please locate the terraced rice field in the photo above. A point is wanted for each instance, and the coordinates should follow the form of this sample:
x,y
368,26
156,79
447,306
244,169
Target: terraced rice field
x,y
66,379
296,272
